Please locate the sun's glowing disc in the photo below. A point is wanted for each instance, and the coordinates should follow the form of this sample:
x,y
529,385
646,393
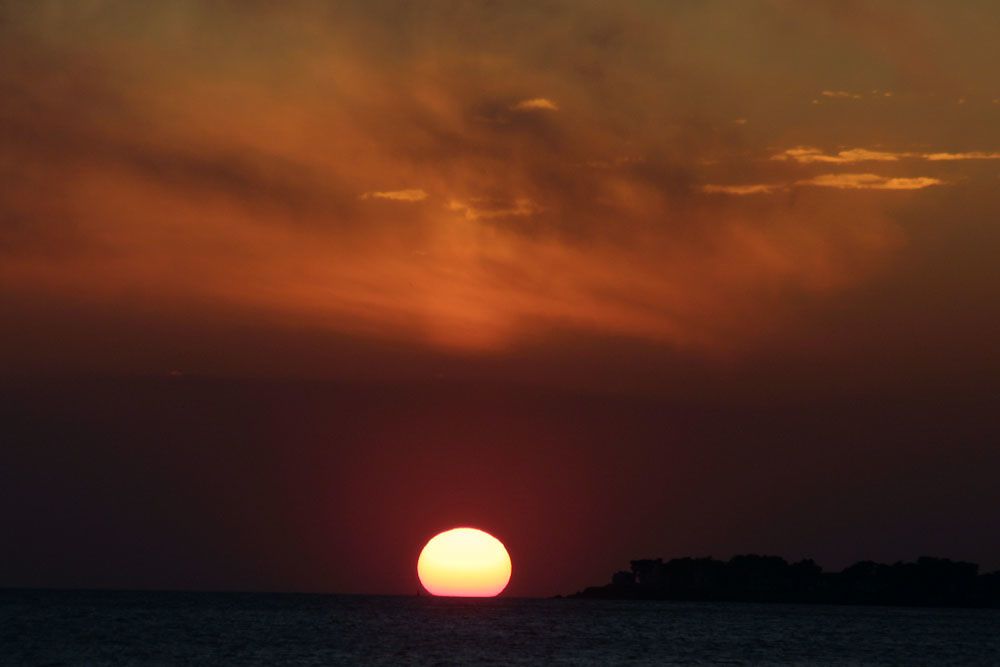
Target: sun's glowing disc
x,y
464,562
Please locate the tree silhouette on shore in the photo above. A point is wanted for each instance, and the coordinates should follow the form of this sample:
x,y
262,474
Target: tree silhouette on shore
x,y
754,578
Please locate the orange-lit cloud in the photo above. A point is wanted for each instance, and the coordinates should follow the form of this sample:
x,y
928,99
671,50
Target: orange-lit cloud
x,y
869,182
807,155
970,155
484,209
536,103
413,194
749,189
838,181
278,177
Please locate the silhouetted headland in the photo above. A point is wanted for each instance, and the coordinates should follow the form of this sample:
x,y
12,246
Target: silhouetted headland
x,y
928,582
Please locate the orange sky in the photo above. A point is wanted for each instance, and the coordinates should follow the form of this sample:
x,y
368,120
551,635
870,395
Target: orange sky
x,y
730,201
476,177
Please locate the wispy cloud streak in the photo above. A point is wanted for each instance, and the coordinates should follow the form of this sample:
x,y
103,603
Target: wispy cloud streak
x,y
810,155
748,189
409,195
869,182
536,104
952,157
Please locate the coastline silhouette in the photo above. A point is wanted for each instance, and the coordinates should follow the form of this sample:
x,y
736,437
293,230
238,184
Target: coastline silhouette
x,y
927,582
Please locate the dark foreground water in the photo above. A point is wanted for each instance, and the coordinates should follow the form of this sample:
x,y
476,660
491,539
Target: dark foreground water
x,y
119,628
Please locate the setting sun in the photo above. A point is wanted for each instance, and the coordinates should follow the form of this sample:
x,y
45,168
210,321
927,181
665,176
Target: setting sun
x,y
464,562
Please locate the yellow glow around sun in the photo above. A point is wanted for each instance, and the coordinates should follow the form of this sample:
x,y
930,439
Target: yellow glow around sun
x,y
464,562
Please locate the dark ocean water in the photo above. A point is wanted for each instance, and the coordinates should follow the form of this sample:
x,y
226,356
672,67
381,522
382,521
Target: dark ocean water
x,y
125,628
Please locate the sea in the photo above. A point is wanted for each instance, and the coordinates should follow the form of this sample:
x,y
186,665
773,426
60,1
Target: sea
x,y
171,628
